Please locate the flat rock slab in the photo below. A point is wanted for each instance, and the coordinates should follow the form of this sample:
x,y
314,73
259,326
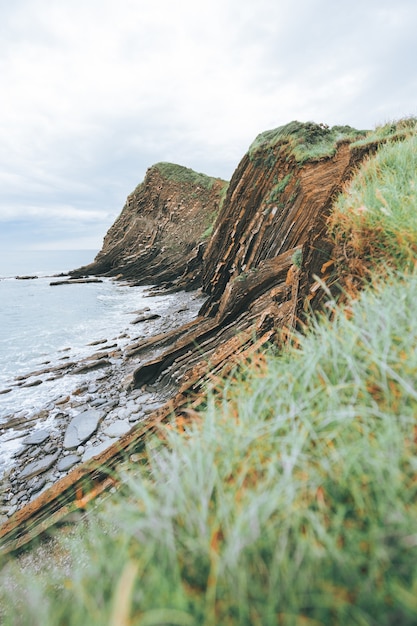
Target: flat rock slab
x,y
81,427
89,367
118,429
67,462
94,450
38,467
75,281
37,437
145,317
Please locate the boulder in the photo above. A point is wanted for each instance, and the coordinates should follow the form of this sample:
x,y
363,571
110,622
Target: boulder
x,y
81,427
38,467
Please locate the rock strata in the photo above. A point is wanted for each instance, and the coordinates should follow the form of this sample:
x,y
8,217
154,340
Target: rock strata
x,y
161,233
263,266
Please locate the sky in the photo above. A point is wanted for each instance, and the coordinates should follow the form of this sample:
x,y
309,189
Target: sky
x,y
93,92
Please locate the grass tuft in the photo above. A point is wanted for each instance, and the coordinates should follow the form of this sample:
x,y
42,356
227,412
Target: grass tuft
x,y
376,216
179,173
307,141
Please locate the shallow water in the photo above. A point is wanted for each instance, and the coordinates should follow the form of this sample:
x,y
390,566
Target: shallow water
x,y
42,324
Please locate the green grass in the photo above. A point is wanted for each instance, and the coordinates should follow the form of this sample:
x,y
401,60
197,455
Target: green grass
x,y
390,131
307,141
278,188
376,216
293,497
179,173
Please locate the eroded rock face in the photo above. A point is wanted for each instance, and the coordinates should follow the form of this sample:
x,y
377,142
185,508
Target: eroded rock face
x,y
268,258
267,250
162,230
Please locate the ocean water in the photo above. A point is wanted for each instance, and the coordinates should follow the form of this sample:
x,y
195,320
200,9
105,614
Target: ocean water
x,y
43,324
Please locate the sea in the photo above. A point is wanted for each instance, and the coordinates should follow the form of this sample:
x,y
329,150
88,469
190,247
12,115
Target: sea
x,y
40,323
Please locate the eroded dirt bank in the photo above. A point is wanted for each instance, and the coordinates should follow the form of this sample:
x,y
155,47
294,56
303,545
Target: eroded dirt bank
x,y
263,266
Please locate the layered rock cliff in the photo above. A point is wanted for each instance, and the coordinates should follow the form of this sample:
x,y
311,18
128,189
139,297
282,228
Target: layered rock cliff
x,y
269,250
163,228
267,262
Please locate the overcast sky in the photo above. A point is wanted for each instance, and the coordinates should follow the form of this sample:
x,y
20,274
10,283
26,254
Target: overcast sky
x,y
93,92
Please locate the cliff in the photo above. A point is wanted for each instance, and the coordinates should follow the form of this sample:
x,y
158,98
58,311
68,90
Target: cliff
x,y
162,230
269,251
268,261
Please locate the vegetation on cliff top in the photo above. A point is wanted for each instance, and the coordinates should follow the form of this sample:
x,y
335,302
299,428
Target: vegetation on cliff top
x,y
306,141
291,499
375,219
181,174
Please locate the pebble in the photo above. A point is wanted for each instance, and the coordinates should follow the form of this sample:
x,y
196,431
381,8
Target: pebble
x,y
37,485
150,408
135,417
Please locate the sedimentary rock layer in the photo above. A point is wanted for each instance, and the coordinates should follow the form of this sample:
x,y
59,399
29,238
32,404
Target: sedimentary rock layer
x,y
268,260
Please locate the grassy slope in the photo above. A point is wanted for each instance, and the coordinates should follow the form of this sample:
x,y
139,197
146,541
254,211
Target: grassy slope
x,y
291,500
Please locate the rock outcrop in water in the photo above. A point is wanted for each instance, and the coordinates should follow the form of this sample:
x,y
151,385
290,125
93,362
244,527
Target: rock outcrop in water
x,y
267,261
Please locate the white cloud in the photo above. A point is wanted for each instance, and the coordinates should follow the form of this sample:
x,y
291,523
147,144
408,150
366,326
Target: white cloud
x,y
95,92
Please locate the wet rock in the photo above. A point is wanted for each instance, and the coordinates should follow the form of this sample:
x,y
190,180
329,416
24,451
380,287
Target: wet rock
x,y
73,281
33,383
145,317
37,437
97,342
38,467
62,400
89,367
81,427
67,462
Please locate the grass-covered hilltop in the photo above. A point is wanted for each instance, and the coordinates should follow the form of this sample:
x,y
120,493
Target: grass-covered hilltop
x,y
287,494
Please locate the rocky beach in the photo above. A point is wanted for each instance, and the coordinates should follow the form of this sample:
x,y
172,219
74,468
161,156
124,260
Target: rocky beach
x,y
102,406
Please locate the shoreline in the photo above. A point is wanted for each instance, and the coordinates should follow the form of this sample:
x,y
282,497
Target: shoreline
x,y
45,445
